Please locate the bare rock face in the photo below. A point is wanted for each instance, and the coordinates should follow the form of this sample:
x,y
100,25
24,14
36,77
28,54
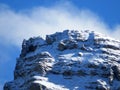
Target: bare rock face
x,y
67,44
116,71
68,60
37,86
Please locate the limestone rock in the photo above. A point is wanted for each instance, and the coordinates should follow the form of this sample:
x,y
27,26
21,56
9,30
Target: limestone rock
x,y
68,60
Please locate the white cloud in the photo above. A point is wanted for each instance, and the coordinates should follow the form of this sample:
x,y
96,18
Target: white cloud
x,y
1,86
116,32
14,26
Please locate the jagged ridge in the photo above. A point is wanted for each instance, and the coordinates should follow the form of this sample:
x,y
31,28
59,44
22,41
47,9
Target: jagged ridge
x,y
68,60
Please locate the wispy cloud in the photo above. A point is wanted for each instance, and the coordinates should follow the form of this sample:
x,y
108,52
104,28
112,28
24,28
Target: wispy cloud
x,y
1,86
39,21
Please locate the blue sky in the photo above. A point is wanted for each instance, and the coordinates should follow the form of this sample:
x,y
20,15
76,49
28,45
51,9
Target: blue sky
x,y
108,10
21,19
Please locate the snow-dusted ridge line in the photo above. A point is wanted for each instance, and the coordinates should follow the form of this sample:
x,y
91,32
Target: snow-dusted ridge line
x,y
68,60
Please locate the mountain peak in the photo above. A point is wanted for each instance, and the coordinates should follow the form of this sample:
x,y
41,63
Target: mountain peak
x,y
68,60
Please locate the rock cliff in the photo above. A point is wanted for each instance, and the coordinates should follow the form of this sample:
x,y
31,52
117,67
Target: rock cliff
x,y
68,60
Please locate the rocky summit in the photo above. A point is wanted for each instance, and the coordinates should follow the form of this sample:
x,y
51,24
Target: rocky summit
x,y
68,60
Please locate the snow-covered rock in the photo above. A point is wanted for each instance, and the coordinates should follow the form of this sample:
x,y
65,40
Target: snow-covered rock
x,y
68,60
